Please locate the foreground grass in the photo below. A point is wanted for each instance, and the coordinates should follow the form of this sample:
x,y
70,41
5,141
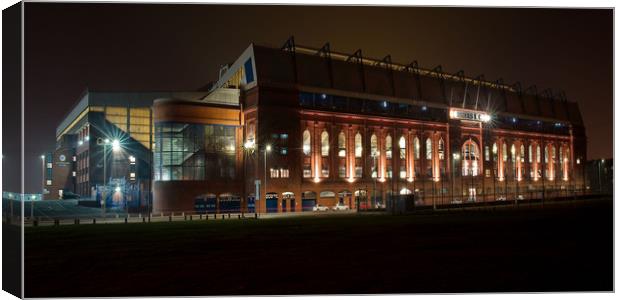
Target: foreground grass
x,y
564,248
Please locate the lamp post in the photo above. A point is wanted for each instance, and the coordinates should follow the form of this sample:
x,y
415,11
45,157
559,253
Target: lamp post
x,y
374,188
455,157
600,182
116,146
267,149
42,186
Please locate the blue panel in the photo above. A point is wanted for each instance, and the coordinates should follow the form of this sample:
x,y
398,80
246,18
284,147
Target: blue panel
x,y
272,205
307,204
249,71
230,205
251,205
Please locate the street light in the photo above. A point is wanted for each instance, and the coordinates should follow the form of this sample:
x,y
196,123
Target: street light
x,y
455,157
42,186
267,149
116,145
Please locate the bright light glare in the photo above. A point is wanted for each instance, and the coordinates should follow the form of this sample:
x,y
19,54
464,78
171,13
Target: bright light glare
x,y
116,145
42,156
485,118
117,189
249,145
268,148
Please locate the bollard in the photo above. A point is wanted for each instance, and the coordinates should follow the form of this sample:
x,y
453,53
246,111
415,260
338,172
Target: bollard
x,y
190,217
94,221
170,218
149,219
206,217
229,215
35,223
125,220
56,222
255,216
200,216
184,217
238,216
143,220
215,216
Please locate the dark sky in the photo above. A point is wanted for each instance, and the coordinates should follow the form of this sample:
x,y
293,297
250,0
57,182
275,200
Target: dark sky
x,y
180,47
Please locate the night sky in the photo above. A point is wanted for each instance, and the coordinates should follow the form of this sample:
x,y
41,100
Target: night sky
x,y
69,47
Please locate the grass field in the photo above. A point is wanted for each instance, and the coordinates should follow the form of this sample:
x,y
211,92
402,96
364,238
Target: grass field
x,y
564,248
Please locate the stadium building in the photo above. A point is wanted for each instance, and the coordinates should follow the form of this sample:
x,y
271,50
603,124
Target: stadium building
x,y
284,129
296,126
119,124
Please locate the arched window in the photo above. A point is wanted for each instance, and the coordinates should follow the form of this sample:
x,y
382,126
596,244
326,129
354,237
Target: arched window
x,y
306,142
494,151
324,143
504,152
429,149
538,153
552,154
470,158
546,154
402,146
388,147
342,145
513,153
529,153
358,145
373,145
440,149
416,148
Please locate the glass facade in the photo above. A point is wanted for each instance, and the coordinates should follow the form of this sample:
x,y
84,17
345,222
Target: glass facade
x,y
194,151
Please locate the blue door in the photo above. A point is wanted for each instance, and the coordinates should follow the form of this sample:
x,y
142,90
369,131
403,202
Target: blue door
x,y
272,205
307,204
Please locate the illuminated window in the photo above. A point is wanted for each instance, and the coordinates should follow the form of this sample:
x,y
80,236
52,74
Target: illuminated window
x,y
306,142
429,149
324,143
537,153
494,151
117,116
284,173
470,158
388,147
504,152
529,153
342,145
48,182
140,125
358,145
273,173
402,146
132,175
373,145
487,154
522,153
416,148
513,153
440,149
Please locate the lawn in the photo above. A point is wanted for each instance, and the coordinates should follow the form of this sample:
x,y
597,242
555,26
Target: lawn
x,y
560,248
